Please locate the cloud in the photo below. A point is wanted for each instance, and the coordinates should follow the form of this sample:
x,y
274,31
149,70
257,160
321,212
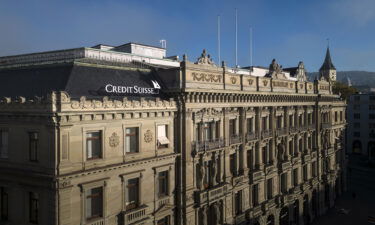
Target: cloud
x,y
354,12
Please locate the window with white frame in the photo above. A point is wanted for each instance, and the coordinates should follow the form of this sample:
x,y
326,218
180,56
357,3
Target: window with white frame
x,y
94,145
163,140
4,135
132,139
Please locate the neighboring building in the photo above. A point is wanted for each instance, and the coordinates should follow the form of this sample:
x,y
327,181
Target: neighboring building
x,y
361,130
124,135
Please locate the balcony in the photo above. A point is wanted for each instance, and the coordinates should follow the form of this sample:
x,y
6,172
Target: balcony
x,y
311,126
201,146
210,194
235,139
281,131
250,136
266,133
256,175
135,215
96,222
293,129
326,125
240,218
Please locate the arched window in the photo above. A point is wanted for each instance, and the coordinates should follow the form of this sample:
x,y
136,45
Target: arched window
x,y
284,216
271,220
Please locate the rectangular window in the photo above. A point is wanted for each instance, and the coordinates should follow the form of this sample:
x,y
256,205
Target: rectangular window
x,y
295,177
358,125
313,169
132,193
33,207
163,140
233,162
238,202
357,116
4,204
371,116
264,123
249,159
163,183
371,125
255,194
4,144
164,221
131,140
357,98
290,120
357,134
371,107
356,107
341,116
232,127
372,98
305,172
94,203
269,189
284,188
249,124
94,145
336,117
33,146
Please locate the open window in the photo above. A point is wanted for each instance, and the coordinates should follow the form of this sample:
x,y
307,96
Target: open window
x,y
163,140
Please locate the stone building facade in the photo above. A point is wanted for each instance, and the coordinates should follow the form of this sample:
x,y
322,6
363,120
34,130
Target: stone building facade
x,y
119,138
361,132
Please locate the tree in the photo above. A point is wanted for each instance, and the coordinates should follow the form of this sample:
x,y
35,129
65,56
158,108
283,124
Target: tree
x,y
343,90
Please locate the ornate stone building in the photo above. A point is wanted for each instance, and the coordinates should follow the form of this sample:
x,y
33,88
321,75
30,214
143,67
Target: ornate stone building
x,y
124,135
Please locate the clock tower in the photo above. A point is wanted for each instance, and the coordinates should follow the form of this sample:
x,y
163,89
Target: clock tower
x,y
327,71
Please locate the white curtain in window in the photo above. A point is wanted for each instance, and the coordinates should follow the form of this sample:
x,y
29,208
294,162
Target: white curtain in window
x,y
89,146
162,135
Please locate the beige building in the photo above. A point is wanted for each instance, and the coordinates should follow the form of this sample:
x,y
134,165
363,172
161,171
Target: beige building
x,y
124,135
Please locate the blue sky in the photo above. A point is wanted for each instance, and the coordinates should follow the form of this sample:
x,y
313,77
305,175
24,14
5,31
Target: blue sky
x,y
288,30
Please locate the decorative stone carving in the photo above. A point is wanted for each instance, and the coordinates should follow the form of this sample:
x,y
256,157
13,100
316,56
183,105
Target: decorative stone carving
x,y
214,78
281,151
205,59
233,80
204,216
148,136
114,140
214,172
216,208
265,82
202,173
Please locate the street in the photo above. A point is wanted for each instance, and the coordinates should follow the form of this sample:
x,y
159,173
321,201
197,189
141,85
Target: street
x,y
359,200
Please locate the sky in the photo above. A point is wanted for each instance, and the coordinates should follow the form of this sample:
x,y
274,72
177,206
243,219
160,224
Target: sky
x,y
287,30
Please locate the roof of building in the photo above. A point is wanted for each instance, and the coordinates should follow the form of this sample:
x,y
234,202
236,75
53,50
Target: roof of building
x,y
327,64
79,79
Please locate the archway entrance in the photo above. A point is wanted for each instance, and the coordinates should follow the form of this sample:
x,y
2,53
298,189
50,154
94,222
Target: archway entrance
x,y
314,204
357,147
284,216
371,150
306,208
271,220
296,212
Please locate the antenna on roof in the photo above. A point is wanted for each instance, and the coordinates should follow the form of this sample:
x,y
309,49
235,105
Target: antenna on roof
x,y
163,43
327,42
218,39
236,40
251,47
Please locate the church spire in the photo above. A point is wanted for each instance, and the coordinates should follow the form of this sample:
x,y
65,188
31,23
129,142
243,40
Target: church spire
x,y
327,64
